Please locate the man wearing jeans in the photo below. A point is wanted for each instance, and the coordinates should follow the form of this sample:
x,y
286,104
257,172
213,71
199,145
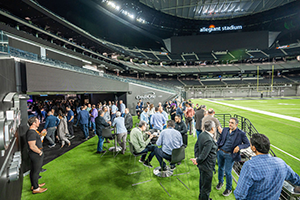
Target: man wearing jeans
x,y
142,145
122,108
119,123
94,114
70,121
101,124
83,118
169,139
114,109
231,141
157,120
189,114
51,126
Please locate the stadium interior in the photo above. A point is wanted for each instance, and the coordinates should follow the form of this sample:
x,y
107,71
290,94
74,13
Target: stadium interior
x,y
213,52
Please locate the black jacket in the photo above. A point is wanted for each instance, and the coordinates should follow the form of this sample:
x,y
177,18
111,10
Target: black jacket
x,y
206,152
100,124
128,121
181,127
198,118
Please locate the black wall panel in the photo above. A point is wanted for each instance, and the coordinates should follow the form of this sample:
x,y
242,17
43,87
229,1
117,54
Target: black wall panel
x,y
220,42
63,58
41,78
24,46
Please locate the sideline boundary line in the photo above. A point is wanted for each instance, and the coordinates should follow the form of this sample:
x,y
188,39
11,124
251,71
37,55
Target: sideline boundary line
x,y
285,152
295,119
266,113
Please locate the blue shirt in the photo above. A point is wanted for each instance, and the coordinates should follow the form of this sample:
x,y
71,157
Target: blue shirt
x,y
262,177
106,116
166,116
179,112
83,117
122,108
144,117
169,139
120,124
157,121
44,114
78,109
70,114
141,106
51,121
114,109
229,141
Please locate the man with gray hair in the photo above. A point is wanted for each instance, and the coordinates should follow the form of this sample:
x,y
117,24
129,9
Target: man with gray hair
x,y
169,139
119,123
211,117
142,145
205,158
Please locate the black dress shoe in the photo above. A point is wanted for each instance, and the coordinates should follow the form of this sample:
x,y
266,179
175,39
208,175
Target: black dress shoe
x,y
40,177
43,170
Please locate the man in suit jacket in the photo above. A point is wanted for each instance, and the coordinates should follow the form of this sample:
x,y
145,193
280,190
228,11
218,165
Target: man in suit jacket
x,y
205,158
231,141
101,124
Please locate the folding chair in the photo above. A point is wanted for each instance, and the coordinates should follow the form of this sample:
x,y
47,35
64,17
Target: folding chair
x,y
178,155
106,134
136,155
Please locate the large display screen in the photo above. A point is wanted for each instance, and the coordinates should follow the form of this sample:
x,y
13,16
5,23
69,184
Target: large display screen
x,y
220,42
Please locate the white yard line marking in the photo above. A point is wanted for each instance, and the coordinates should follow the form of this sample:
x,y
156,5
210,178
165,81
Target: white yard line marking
x,y
266,113
285,152
295,119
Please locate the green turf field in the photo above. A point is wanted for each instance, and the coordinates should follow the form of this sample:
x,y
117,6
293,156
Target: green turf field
x,y
290,107
82,174
284,134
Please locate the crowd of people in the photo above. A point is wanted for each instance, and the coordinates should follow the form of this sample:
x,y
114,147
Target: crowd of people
x,y
160,130
57,118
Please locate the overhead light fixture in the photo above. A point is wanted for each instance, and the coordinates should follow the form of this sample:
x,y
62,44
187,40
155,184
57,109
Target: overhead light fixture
x,y
298,58
113,5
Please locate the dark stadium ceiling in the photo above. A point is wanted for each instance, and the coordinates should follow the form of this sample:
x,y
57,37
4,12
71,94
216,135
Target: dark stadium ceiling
x,y
213,9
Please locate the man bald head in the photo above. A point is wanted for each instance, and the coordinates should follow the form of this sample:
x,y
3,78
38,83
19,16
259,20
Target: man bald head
x,y
211,111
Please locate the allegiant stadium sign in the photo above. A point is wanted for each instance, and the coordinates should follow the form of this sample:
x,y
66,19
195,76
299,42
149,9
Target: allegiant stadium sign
x,y
148,95
213,28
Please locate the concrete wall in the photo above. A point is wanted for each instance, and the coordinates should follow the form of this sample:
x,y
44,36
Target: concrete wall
x,y
278,91
147,94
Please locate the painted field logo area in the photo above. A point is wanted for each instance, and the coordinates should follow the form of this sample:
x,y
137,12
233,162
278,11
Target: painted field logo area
x,y
286,104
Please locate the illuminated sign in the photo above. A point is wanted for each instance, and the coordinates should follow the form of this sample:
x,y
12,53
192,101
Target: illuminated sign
x,y
213,28
283,47
147,95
